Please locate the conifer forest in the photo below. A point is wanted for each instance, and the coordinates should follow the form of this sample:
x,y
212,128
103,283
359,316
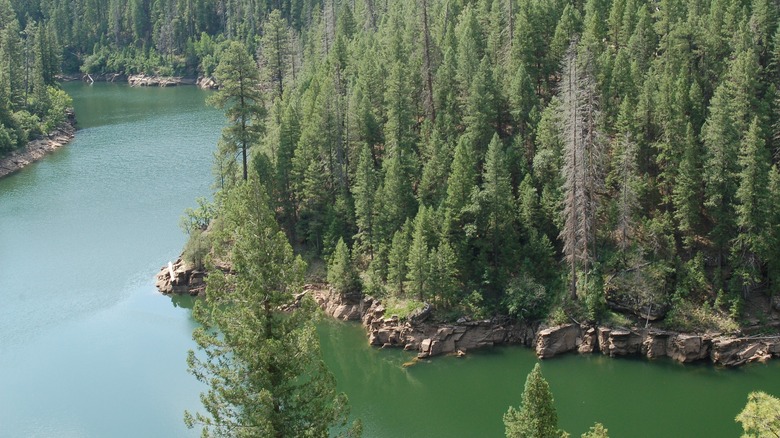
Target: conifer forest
x,y
531,158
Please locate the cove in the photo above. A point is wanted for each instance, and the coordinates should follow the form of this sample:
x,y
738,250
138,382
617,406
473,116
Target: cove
x,y
88,348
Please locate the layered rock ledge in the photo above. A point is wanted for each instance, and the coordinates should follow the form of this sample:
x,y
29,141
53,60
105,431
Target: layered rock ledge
x,y
37,149
429,339
728,351
416,334
143,80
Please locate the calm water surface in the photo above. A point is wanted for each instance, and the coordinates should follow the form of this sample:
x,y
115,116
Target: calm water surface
x,y
89,349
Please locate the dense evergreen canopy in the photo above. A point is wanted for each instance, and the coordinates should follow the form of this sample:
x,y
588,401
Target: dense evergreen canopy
x,y
504,155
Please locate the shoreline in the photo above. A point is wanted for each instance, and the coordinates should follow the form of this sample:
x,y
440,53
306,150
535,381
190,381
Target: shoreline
x,y
431,339
39,148
143,80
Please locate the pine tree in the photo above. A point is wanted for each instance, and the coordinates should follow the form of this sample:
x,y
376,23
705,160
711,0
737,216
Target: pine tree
x,y
238,75
729,109
444,275
397,259
687,194
596,431
761,416
276,49
364,191
342,276
536,417
582,165
263,367
752,209
493,208
418,263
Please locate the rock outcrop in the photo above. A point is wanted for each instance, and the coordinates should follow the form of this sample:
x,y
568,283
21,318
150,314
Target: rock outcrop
x,y
207,83
143,80
37,149
416,334
554,341
430,339
181,278
682,347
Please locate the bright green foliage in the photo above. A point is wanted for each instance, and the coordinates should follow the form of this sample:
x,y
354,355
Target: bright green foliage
x,y
342,275
596,431
263,367
237,73
536,417
761,416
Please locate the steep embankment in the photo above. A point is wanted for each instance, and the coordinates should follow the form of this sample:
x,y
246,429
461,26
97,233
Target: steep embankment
x,y
37,149
432,338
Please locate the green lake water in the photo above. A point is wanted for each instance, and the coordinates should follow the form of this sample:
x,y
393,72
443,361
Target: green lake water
x,y
88,348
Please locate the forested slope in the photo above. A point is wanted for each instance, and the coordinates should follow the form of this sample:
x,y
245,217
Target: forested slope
x,y
497,156
30,102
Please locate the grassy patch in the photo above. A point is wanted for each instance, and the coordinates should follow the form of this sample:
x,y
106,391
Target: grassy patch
x,y
401,308
689,317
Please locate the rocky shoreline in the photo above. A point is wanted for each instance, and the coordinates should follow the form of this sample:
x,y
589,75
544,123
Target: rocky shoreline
x,y
430,339
37,149
143,80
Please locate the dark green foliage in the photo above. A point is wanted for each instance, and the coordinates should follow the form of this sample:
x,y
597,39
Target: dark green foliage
x,y
237,73
263,367
377,109
342,275
31,104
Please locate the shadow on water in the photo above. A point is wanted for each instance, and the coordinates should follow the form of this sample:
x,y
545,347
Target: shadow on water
x,y
183,301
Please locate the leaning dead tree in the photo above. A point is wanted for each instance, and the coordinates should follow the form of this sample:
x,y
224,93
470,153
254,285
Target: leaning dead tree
x,y
582,170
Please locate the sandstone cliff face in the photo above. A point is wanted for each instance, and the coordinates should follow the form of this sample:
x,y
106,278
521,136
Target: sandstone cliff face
x,y
416,334
682,347
430,339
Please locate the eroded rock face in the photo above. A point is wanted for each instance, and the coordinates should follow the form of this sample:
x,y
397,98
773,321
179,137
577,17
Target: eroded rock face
x,y
143,80
180,278
418,335
655,344
735,352
689,348
622,342
207,83
557,340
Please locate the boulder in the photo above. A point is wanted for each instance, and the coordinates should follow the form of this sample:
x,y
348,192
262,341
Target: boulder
x,y
621,342
735,352
689,348
557,340
655,344
207,83
588,342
